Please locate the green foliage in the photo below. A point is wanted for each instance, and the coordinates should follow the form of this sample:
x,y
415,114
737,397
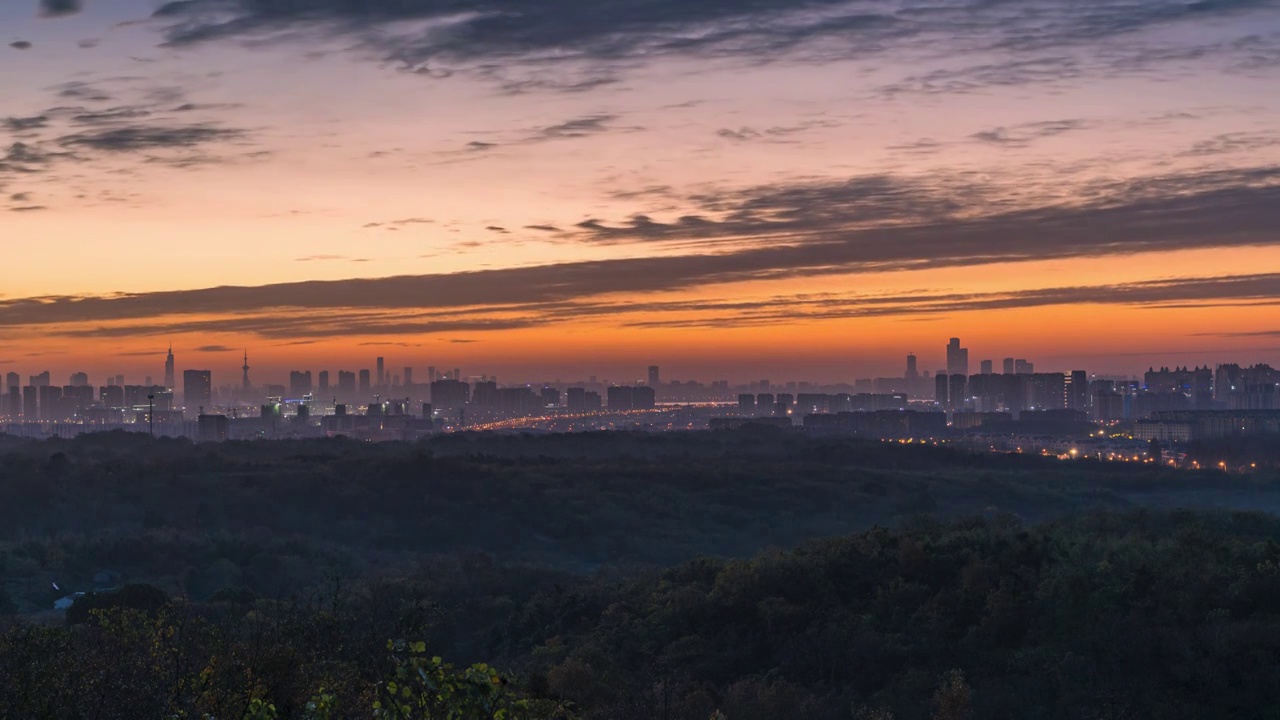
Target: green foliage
x,y
427,688
260,709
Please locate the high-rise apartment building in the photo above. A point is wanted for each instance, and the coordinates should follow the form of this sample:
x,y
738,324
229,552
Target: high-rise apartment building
x,y
987,367
197,388
550,397
447,395
50,402
958,387
484,394
1008,366
382,372
346,385
366,387
1078,390
299,384
30,405
655,377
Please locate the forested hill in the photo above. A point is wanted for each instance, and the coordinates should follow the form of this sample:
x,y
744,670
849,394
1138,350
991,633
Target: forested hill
x,y
1118,617
281,517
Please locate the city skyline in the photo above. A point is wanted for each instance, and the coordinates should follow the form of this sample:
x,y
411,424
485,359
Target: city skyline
x,y
812,189
384,372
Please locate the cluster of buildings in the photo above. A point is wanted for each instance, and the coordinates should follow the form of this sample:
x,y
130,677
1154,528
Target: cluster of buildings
x,y
1171,404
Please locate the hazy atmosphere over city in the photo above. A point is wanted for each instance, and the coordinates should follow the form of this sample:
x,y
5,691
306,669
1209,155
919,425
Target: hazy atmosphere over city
x,y
732,189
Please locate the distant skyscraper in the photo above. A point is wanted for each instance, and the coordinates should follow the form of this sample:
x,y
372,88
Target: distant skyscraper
x,y
1078,390
382,372
30,406
79,380
197,389
1008,366
958,390
431,374
323,382
987,367
346,385
408,376
550,397
299,384
1022,367
912,371
957,358
941,389
168,370
50,400
244,380
13,380
449,395
365,387
655,378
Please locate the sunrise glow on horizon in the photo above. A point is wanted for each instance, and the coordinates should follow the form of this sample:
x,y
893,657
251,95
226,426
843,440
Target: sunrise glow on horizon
x,y
745,190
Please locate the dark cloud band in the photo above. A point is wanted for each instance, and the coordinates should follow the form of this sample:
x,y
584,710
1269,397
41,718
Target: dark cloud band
x,y
779,234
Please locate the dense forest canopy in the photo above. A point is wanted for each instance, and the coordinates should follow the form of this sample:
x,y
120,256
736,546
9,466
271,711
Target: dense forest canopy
x,y
742,575
1138,615
279,518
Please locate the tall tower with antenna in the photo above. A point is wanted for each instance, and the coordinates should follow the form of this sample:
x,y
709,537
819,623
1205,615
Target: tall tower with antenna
x,y
245,368
168,370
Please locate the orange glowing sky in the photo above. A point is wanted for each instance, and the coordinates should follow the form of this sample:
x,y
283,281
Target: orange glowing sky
x,y
785,190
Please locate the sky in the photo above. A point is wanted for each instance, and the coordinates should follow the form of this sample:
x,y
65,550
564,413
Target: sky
x,y
746,189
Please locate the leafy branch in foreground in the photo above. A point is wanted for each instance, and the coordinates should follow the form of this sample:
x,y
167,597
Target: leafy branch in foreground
x,y
427,688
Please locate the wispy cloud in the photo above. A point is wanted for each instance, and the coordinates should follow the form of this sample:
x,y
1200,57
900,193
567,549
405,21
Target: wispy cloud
x,y
140,138
1238,142
570,45
1027,133
24,124
59,8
